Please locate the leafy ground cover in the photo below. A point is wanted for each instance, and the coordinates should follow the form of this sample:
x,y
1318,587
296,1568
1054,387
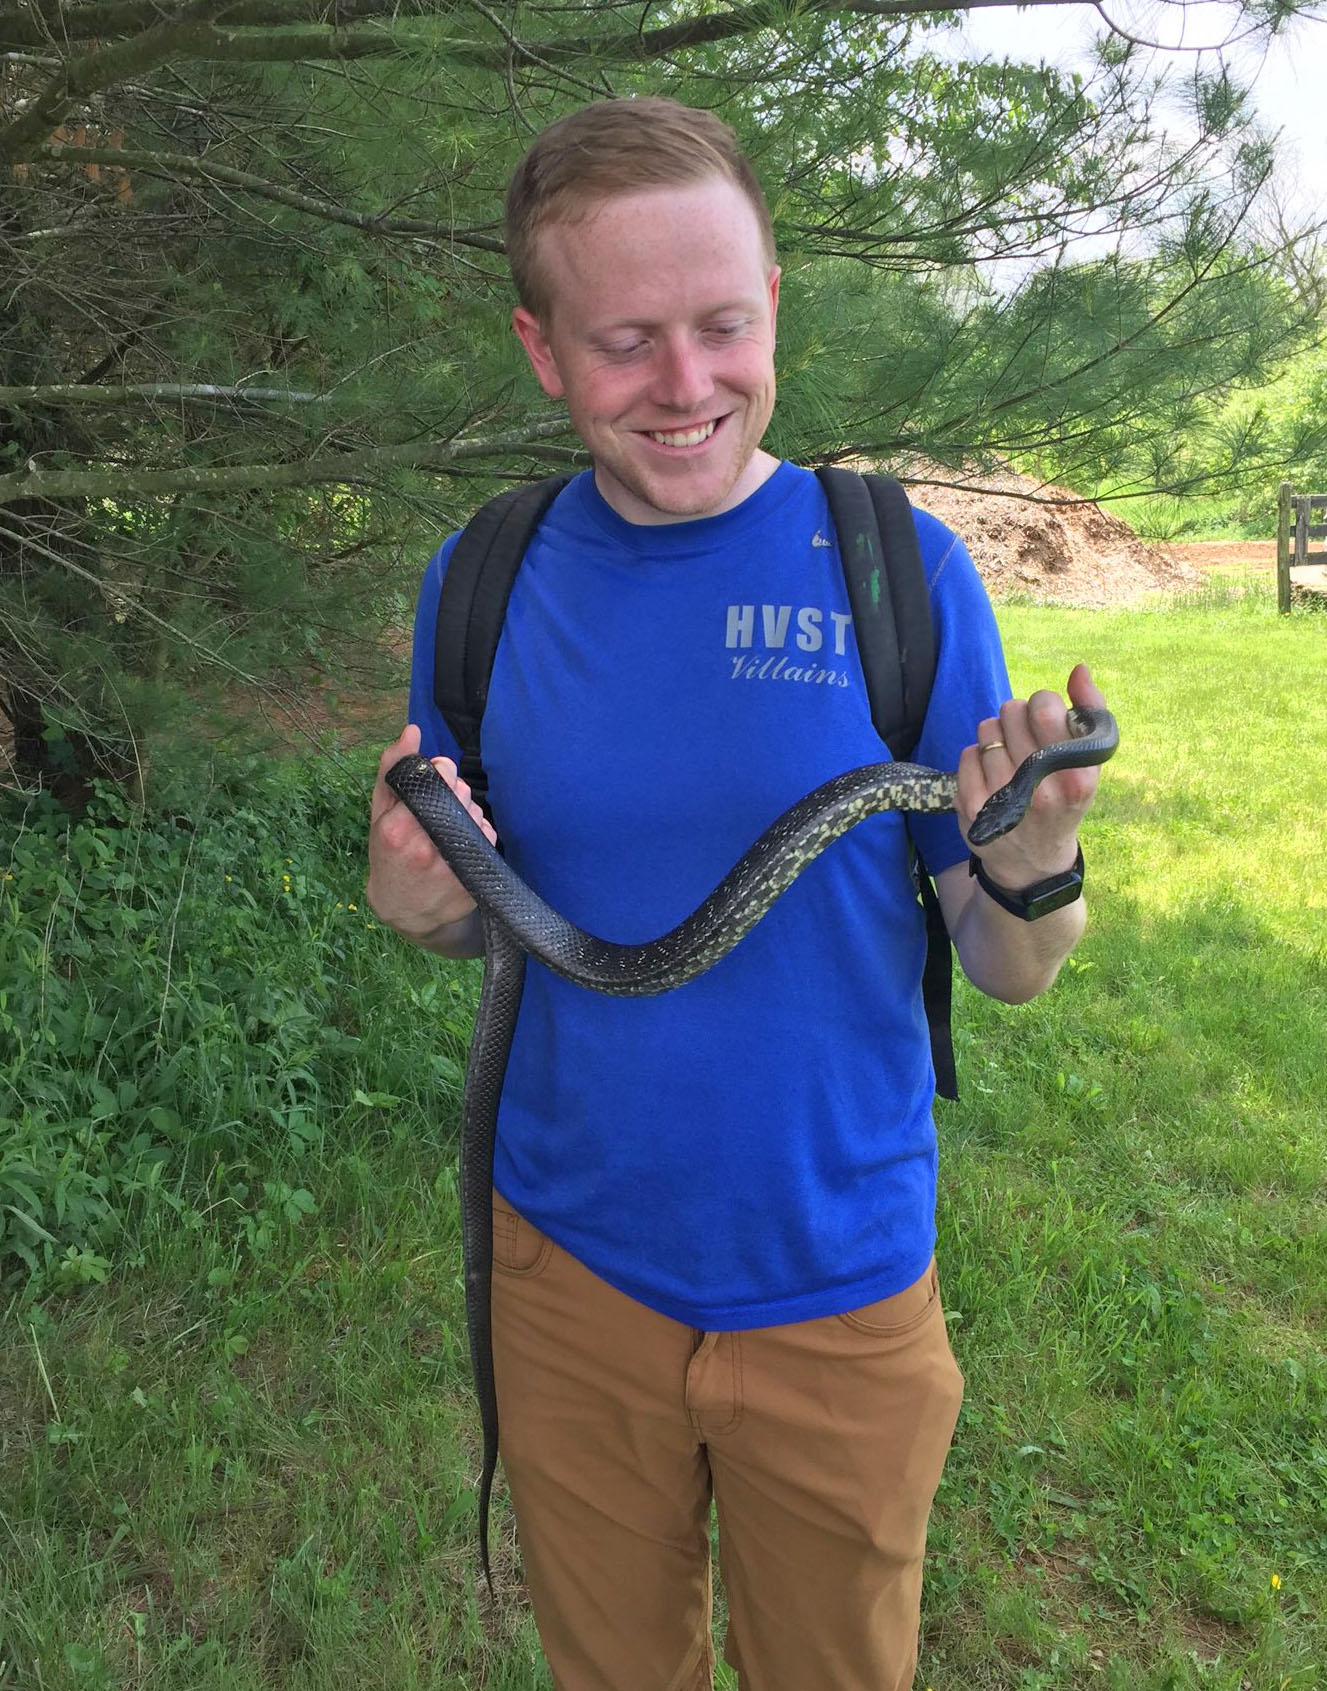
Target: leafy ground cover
x,y
236,1439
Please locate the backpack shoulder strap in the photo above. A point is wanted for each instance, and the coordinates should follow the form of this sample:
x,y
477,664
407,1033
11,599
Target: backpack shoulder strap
x,y
471,609
891,616
891,608
938,985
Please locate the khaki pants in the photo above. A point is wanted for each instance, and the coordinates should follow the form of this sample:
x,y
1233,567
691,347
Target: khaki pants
x,y
821,1441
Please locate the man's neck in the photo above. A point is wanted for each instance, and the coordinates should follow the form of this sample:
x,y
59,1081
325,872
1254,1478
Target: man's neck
x,y
633,509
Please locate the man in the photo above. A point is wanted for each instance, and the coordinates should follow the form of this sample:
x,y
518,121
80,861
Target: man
x,y
714,1216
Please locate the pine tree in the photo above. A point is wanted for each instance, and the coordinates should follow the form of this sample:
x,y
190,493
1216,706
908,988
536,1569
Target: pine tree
x,y
254,358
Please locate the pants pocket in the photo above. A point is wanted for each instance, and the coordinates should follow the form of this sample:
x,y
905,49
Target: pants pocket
x,y
901,1312
519,1248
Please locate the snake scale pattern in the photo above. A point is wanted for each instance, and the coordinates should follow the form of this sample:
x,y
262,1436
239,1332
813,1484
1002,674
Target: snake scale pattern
x,y
516,922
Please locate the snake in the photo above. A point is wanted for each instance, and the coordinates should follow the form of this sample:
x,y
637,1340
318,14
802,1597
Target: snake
x,y
517,923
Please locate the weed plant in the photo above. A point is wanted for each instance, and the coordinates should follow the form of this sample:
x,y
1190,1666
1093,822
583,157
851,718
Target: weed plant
x,y
193,1002
237,1443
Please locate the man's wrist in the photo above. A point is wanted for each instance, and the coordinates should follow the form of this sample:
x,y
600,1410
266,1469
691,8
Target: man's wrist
x,y
463,937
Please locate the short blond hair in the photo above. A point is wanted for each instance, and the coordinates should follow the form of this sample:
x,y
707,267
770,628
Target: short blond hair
x,y
616,147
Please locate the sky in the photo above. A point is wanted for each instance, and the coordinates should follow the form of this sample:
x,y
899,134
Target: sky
x,y
1289,76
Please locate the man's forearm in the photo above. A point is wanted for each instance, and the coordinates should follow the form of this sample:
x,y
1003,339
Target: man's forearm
x,y
1008,958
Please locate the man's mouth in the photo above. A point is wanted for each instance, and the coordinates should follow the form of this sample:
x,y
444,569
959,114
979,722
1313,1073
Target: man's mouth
x,y
684,437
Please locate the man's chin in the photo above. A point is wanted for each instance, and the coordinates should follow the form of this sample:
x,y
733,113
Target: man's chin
x,y
701,491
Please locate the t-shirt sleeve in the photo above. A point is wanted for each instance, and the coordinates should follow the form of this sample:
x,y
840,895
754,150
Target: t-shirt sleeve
x,y
435,738
971,680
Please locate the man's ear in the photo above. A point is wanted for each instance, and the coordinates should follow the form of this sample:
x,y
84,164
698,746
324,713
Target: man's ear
x,y
530,333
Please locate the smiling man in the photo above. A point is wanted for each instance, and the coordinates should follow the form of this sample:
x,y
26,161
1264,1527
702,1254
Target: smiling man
x,y
714,1210
662,345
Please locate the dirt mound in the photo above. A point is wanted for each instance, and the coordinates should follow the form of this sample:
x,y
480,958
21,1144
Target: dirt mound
x,y
1045,543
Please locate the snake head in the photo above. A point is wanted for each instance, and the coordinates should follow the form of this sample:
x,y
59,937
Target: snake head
x,y
1094,736
1003,811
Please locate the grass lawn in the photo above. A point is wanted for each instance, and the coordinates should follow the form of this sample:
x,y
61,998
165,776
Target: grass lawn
x,y
237,1443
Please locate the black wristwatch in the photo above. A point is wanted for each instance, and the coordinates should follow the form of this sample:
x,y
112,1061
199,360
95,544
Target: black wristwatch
x,y
1041,897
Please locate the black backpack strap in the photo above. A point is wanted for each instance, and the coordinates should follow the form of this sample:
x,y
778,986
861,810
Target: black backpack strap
x,y
891,608
473,604
937,985
891,617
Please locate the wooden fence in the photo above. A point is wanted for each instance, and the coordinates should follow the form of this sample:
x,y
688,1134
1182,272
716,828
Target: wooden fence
x,y
1294,530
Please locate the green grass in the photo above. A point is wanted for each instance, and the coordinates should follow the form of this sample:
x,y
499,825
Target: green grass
x,y
237,1445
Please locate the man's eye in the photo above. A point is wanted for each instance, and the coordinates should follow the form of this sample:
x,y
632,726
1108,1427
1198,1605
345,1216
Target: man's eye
x,y
725,331
623,349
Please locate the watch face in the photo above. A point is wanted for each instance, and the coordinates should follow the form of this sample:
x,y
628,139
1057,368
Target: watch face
x,y
1054,898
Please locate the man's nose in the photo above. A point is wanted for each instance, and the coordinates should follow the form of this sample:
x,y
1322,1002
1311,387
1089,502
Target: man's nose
x,y
682,379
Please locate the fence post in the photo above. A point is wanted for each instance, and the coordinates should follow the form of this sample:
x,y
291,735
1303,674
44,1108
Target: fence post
x,y
1303,511
1283,547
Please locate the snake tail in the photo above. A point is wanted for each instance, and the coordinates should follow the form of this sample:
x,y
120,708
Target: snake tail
x,y
495,1023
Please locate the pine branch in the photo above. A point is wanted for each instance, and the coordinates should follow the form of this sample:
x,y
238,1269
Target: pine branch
x,y
175,165
122,17
105,19
645,44
32,483
1068,379
208,44
279,43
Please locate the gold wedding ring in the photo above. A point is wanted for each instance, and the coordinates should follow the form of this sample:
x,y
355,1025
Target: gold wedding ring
x,y
992,746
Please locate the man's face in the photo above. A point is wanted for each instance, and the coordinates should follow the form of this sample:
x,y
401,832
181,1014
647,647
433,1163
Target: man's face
x,y
660,337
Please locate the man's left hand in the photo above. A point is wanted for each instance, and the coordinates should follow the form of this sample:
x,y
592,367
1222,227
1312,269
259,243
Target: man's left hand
x,y
1045,842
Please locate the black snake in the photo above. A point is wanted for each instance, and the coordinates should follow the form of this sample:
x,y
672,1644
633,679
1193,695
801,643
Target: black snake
x,y
517,921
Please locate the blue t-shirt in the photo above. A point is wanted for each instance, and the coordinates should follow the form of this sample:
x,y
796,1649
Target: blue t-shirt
x,y
757,1146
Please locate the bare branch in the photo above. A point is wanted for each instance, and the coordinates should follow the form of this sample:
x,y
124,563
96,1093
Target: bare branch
x,y
206,170
104,68
80,393
345,467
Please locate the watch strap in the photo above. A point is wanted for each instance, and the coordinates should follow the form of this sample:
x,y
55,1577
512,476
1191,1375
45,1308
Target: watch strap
x,y
1040,898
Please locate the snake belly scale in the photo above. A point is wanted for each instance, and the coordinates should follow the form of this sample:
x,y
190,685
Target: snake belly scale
x,y
517,922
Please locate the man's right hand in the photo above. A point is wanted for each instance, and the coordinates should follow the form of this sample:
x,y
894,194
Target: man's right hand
x,y
410,887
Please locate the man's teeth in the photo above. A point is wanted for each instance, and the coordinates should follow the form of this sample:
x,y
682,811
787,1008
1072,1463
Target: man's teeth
x,y
688,437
